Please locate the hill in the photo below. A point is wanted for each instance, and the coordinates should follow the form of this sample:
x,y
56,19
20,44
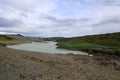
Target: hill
x,y
16,39
88,43
5,38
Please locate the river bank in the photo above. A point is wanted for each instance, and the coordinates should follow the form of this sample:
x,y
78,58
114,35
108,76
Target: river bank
x,y
28,65
103,44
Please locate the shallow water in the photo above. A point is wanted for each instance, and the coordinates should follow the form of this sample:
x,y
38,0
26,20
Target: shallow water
x,y
46,46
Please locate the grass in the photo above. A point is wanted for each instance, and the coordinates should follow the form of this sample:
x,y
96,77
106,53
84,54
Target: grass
x,y
9,39
80,45
5,38
105,41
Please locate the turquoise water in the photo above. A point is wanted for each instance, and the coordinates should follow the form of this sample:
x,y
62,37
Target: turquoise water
x,y
46,47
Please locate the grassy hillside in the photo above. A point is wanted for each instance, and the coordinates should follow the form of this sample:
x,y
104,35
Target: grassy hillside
x,y
103,41
5,38
16,39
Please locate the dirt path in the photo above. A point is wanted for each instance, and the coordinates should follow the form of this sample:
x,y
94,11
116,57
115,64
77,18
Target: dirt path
x,y
25,65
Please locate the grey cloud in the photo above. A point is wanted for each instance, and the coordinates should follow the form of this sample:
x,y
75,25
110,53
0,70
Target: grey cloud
x,y
65,22
104,2
50,18
71,21
106,29
28,33
20,4
113,20
112,2
4,22
23,14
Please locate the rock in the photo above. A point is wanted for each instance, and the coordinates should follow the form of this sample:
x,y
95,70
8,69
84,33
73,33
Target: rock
x,y
2,44
91,55
116,65
103,52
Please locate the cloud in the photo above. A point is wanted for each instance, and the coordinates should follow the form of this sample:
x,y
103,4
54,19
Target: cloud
x,y
108,28
59,18
34,6
20,4
64,21
104,2
111,20
4,22
108,24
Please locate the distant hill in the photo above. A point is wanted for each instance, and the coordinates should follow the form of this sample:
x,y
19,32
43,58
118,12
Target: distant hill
x,y
17,37
52,38
102,41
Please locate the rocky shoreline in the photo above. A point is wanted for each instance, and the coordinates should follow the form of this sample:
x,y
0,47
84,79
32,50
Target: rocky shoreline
x,y
103,52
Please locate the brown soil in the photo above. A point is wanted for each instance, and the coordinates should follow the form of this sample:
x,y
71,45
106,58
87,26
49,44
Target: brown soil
x,y
25,65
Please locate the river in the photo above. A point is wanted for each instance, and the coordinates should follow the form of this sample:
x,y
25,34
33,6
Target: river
x,y
46,47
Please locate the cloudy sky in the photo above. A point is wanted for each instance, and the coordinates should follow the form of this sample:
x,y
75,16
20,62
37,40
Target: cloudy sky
x,y
46,18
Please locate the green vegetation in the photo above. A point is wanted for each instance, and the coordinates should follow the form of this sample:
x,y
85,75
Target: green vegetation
x,y
103,41
5,38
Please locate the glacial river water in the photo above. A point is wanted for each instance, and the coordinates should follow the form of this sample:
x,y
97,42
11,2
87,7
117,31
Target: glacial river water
x,y
46,47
